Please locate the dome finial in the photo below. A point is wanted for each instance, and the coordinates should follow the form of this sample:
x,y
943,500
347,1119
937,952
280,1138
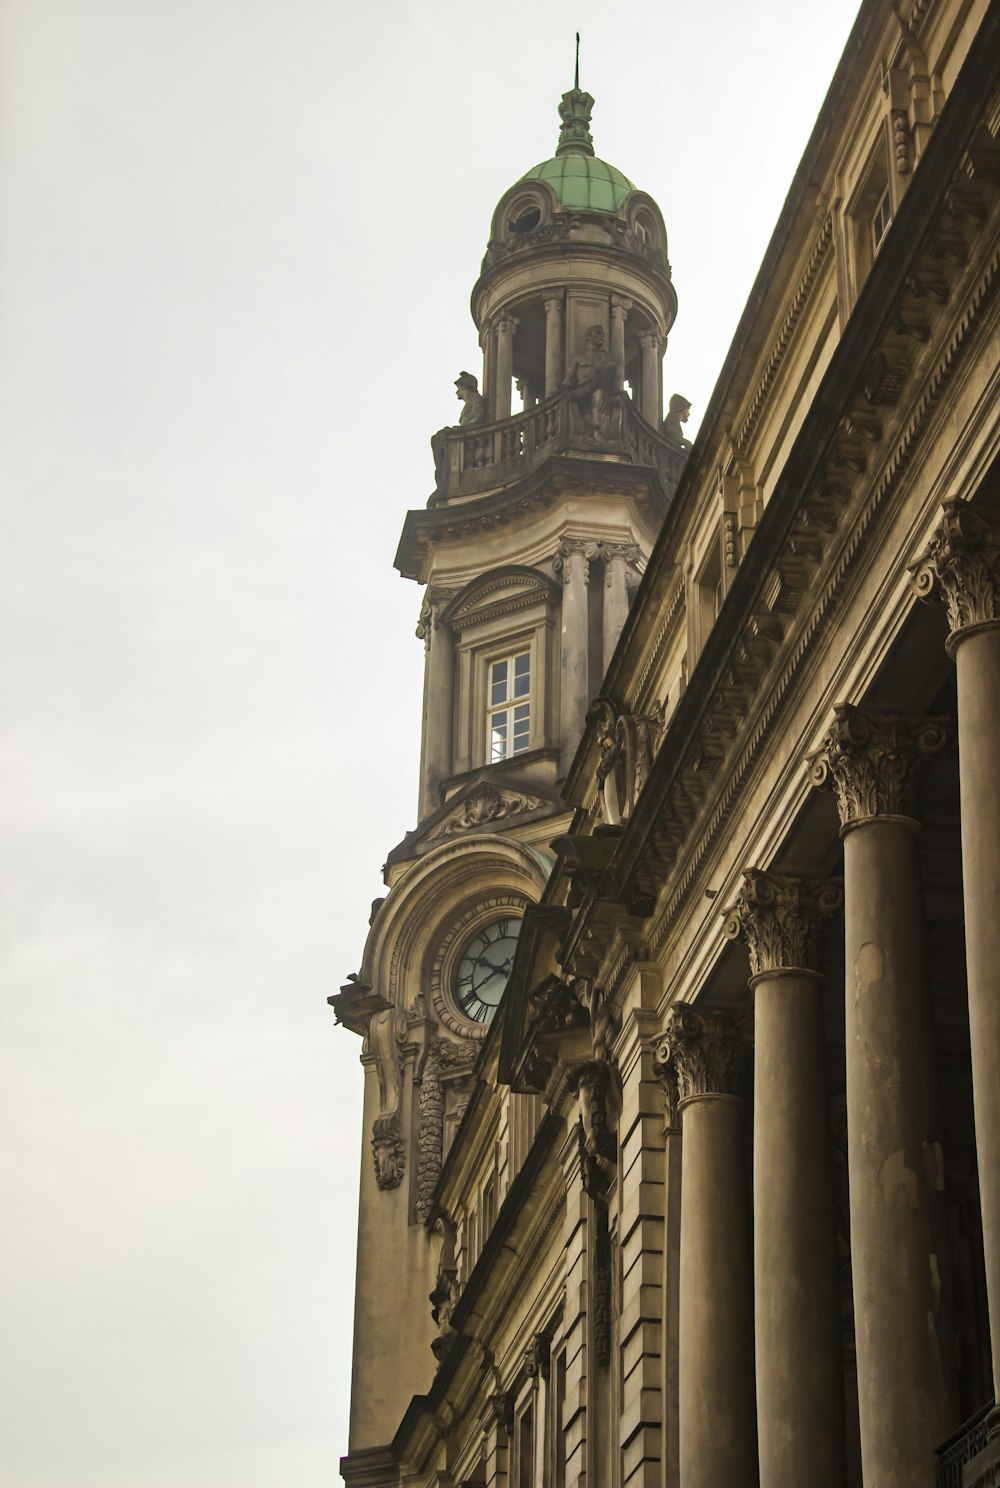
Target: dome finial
x,y
574,133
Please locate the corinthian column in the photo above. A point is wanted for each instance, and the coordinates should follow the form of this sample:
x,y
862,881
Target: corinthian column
x,y
573,560
506,326
800,1380
962,567
617,558
620,308
717,1427
439,672
873,762
553,343
651,409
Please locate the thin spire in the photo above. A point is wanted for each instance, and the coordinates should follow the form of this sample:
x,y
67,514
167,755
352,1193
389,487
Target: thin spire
x,y
575,109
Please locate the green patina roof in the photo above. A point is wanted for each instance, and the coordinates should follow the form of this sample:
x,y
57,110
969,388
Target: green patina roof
x,y
583,182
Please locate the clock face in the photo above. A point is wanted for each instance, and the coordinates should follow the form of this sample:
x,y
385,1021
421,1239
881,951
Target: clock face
x,y
485,968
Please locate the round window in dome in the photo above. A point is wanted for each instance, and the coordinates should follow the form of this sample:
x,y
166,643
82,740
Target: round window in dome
x,y
525,220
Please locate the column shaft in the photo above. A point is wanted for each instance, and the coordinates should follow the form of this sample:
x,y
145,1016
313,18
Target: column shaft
x,y
800,1384
615,601
574,646
619,310
718,1438
894,1161
438,716
553,344
504,366
977,659
651,408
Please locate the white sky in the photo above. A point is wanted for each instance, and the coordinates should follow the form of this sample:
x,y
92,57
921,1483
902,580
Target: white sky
x,y
237,243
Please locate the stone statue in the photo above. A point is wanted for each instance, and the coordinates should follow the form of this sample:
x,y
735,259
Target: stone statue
x,y
467,392
594,382
678,413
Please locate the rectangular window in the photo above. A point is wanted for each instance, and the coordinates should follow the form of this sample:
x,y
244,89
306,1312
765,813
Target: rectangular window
x,y
509,707
881,218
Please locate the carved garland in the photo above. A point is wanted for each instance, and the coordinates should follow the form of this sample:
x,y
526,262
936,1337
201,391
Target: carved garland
x,y
444,1058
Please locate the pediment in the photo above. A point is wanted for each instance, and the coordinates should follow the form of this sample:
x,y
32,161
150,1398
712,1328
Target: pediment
x,y
502,592
480,805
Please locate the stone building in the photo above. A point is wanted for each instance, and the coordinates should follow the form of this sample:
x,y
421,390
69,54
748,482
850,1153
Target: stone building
x,y
681,1015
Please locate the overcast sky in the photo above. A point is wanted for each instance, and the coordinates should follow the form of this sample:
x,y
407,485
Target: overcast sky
x,y
237,243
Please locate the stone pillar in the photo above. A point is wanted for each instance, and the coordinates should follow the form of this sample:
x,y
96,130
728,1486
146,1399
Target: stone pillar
x,y
962,567
800,1372
718,1428
506,326
439,703
553,343
672,1162
900,1271
651,404
620,308
574,694
618,557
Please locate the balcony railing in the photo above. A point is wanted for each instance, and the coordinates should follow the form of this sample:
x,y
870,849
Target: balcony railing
x,y
477,459
961,1449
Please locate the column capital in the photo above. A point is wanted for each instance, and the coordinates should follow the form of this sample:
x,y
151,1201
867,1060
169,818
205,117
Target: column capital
x,y
507,324
873,762
573,556
651,338
620,305
781,920
664,1071
553,302
961,566
629,551
702,1049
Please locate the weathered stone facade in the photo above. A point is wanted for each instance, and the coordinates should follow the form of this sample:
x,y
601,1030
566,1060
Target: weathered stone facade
x,y
700,1185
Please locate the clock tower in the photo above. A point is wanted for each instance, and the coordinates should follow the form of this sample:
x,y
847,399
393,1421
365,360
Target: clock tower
x,y
549,491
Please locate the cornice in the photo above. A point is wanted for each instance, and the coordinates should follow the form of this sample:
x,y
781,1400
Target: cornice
x,y
758,649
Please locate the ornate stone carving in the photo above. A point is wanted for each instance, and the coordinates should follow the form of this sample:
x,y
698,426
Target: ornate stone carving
x,y
558,1007
703,1049
873,761
902,141
627,743
592,1082
536,1357
781,920
961,566
678,413
483,804
594,385
666,1074
444,1300
574,557
468,394
729,537
444,1057
388,1151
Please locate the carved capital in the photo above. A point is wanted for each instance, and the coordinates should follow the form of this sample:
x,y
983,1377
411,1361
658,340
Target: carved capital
x,y
507,324
781,919
702,1049
574,557
874,761
664,1071
553,304
961,566
620,306
651,339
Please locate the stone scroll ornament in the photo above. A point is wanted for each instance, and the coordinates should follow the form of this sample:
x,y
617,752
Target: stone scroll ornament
x,y
781,920
961,566
388,1147
873,762
627,743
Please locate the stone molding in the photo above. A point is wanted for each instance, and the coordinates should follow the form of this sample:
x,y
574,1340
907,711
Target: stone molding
x,y
781,920
961,567
874,761
702,1049
484,804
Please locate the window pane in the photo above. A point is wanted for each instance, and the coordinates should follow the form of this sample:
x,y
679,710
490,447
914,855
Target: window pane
x,y
522,664
498,736
521,712
498,672
498,692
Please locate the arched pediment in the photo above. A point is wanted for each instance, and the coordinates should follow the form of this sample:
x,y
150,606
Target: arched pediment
x,y
502,591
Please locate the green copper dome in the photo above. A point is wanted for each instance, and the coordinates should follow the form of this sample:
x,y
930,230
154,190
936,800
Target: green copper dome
x,y
577,177
583,182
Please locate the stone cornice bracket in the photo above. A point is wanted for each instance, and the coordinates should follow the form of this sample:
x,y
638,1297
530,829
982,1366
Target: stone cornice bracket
x,y
702,1049
961,566
873,762
781,920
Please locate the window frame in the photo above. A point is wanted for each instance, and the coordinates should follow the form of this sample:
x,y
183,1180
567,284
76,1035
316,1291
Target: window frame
x,y
509,705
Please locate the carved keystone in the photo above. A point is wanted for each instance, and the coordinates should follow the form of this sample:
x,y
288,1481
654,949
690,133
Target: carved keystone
x,y
961,566
703,1049
781,920
874,761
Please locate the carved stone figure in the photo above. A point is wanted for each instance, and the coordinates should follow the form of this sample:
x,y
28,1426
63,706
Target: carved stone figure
x,y
627,744
388,1151
678,413
467,392
594,381
597,1143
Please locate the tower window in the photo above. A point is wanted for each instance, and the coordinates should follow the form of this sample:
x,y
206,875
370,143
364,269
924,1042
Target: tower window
x,y
509,709
881,218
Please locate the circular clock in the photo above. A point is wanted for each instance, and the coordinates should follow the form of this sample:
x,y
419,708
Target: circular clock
x,y
484,969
